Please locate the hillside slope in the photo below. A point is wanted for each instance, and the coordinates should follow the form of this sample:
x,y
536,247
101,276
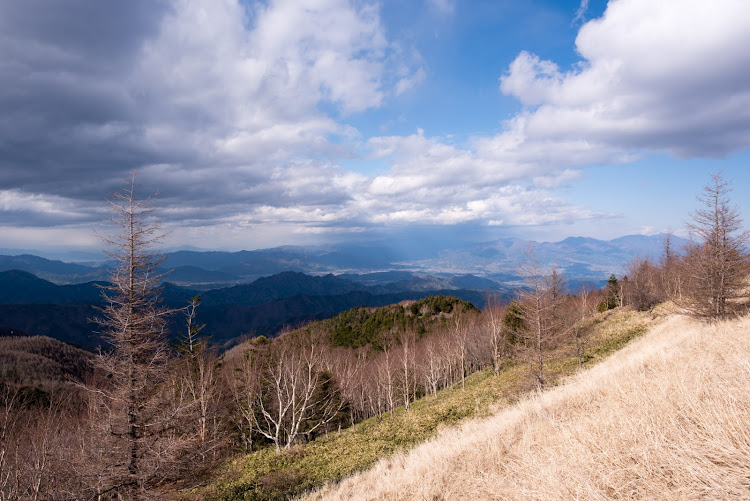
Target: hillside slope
x,y
42,361
263,307
668,417
264,474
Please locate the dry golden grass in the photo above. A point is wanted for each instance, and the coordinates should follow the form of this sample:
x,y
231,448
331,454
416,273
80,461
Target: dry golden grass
x,y
668,417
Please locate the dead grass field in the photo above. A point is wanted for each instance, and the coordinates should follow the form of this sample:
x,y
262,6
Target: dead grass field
x,y
667,417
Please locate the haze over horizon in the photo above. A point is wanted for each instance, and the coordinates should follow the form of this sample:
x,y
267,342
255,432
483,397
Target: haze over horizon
x,y
308,122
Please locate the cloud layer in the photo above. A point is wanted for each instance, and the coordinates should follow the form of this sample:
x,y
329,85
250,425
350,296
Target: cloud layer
x,y
655,76
240,113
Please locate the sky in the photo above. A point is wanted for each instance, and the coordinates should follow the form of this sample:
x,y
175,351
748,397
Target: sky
x,y
265,123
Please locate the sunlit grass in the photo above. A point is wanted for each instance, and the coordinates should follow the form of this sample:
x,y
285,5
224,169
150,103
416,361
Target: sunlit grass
x,y
266,474
666,418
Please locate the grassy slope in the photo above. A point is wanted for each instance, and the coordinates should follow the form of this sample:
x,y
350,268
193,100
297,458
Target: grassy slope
x,y
265,474
666,418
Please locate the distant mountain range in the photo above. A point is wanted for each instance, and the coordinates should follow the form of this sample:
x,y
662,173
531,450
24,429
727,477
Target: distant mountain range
x,y
36,306
260,292
55,271
578,257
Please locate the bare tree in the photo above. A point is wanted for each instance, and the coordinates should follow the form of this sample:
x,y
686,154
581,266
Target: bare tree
x,y
534,306
670,273
496,331
716,260
39,436
293,403
386,377
197,374
540,304
133,418
432,364
348,366
583,309
460,338
243,379
641,287
407,339
463,336
375,392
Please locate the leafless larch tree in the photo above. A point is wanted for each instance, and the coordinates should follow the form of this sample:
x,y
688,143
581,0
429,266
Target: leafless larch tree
x,y
134,424
716,263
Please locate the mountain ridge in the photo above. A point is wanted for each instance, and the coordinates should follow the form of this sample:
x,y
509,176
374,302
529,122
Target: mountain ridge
x,y
265,306
581,258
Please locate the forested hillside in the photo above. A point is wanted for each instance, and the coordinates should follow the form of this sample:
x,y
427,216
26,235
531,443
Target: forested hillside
x,y
42,362
263,307
374,327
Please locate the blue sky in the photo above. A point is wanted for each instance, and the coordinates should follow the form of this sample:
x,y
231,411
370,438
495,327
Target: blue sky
x,y
306,122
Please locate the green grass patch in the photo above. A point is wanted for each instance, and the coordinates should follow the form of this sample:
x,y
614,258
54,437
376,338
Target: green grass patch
x,y
266,474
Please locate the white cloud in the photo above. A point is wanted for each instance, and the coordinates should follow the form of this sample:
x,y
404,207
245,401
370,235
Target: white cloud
x,y
581,12
532,80
255,91
38,209
657,76
444,6
409,82
665,76
53,238
241,110
627,96
555,179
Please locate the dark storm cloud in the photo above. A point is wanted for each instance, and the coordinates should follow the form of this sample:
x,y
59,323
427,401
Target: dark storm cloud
x,y
67,115
96,34
208,112
79,110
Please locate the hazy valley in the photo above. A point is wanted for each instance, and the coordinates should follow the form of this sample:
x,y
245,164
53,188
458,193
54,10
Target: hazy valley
x,y
260,292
